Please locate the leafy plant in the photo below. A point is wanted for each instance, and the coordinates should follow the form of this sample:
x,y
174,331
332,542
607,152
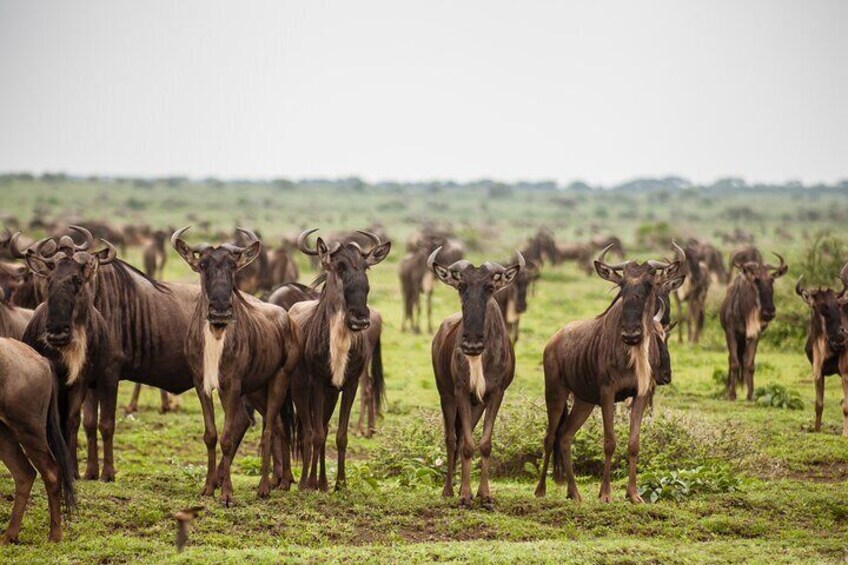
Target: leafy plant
x,y
681,484
778,396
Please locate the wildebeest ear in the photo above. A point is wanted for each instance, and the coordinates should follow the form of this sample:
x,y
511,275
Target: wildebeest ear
x,y
607,273
89,269
777,273
38,265
321,247
450,278
379,253
188,255
504,278
670,329
248,255
673,283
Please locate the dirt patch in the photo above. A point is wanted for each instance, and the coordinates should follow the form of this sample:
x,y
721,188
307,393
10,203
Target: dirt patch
x,y
822,472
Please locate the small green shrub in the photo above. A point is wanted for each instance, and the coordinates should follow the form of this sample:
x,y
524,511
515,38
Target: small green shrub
x,y
778,396
681,484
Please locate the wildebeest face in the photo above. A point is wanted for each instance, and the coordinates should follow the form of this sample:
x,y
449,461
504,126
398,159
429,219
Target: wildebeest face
x,y
828,308
11,278
522,283
476,285
347,266
70,282
762,276
217,267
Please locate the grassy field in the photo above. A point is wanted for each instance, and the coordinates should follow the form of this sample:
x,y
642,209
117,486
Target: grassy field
x,y
767,488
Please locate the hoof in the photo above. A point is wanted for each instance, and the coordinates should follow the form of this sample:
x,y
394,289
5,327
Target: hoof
x,y
635,499
341,486
605,498
130,409
10,540
575,496
447,492
227,500
108,477
284,485
264,491
91,475
466,502
208,491
541,490
487,503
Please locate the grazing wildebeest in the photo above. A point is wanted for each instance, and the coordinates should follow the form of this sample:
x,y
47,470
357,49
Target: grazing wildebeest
x,y
69,330
31,435
239,346
413,268
155,255
372,380
605,360
512,299
149,319
826,340
746,311
749,254
540,248
474,363
335,349
693,292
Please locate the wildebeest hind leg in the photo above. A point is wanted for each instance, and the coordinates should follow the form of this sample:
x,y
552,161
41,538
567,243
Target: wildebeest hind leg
x,y
556,401
210,438
578,415
348,397
844,403
483,492
277,390
89,424
133,405
636,412
467,449
449,417
748,367
22,473
233,410
107,394
819,402
608,413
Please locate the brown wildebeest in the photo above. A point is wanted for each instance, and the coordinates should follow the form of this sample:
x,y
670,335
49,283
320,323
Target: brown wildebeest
x,y
580,253
749,254
13,319
69,330
149,319
826,340
372,380
238,346
715,262
612,242
450,252
746,311
512,299
155,255
283,267
605,360
335,350
540,248
31,435
474,363
413,268
693,292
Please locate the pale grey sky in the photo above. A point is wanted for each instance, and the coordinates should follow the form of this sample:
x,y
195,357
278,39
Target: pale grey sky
x,y
387,89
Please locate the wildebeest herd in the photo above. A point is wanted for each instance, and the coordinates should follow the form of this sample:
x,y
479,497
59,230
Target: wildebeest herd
x,y
76,319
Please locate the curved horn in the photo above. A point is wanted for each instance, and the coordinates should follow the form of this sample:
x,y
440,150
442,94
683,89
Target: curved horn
x,y
432,258
521,262
38,248
111,254
799,290
89,239
251,237
374,239
13,246
664,265
301,243
177,235
780,258
616,267
843,276
659,315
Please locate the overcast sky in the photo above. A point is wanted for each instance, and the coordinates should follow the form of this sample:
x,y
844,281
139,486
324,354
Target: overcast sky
x,y
602,91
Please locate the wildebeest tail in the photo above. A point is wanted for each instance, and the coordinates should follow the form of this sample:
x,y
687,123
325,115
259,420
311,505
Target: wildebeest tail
x,y
60,452
378,383
559,456
293,428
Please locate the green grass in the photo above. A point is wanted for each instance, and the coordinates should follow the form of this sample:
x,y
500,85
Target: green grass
x,y
793,506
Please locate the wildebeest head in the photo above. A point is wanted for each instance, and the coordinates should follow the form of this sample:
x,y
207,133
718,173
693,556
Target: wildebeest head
x,y
68,272
828,306
522,283
476,285
346,266
217,266
762,276
641,287
11,277
662,374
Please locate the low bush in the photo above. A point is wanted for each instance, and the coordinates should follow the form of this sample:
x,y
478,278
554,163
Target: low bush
x,y
778,396
681,484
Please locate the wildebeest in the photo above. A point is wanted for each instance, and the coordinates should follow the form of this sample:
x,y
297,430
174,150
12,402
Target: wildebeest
x,y
283,267
474,363
149,320
412,269
611,242
335,350
714,261
826,340
70,331
372,380
693,292
580,253
512,299
31,435
13,319
237,345
155,255
746,311
605,360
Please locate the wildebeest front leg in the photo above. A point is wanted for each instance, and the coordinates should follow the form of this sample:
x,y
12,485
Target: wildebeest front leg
x,y
22,473
556,401
76,397
748,366
348,396
319,433
467,448
734,364
492,408
89,424
819,402
233,405
133,405
637,409
608,413
580,412
366,406
300,397
449,416
107,392
210,438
